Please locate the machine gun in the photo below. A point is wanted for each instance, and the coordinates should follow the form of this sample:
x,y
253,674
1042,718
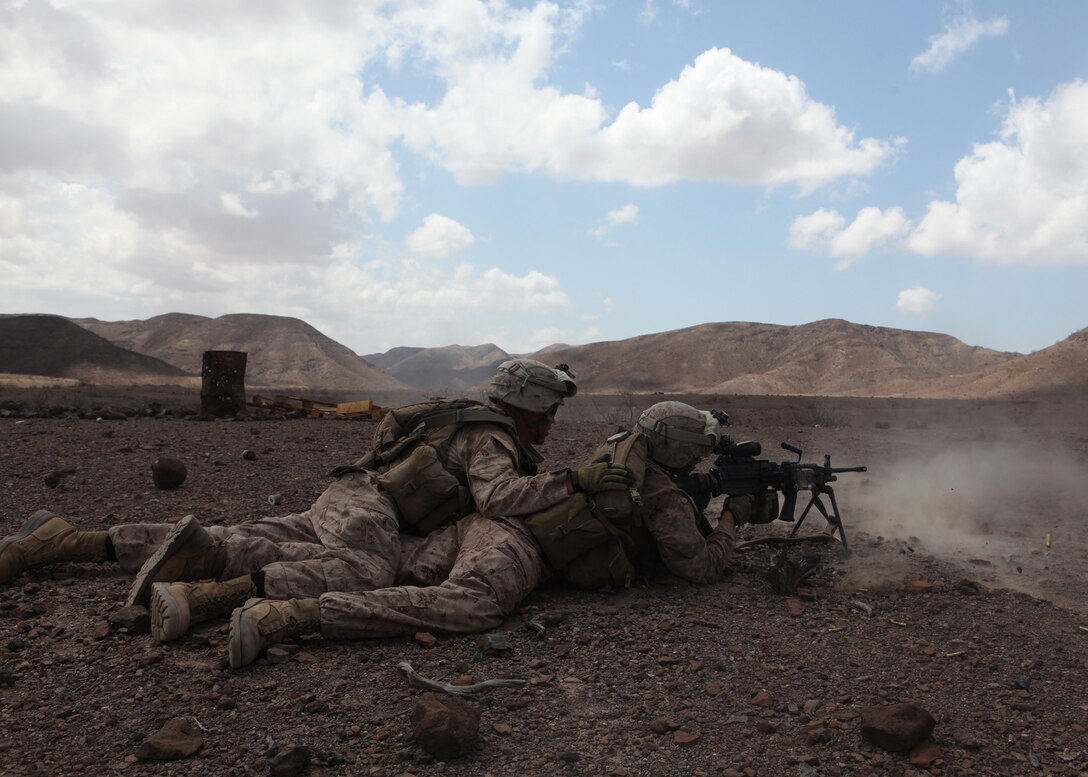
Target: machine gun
x,y
739,472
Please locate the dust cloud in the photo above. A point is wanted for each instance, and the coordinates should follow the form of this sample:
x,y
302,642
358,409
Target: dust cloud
x,y
992,506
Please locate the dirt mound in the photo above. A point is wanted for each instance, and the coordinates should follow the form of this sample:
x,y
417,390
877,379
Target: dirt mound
x,y
53,346
283,352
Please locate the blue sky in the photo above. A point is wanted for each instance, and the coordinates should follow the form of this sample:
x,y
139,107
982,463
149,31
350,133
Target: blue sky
x,y
429,173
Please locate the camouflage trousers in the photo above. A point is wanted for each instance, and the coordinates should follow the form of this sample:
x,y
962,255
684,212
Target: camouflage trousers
x,y
348,540
495,564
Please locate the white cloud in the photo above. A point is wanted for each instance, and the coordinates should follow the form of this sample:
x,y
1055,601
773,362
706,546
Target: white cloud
x,y
439,236
960,34
722,119
1021,199
916,301
232,204
542,338
625,215
150,159
827,231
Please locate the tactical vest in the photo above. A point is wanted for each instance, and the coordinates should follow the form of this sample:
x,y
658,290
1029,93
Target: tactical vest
x,y
409,454
591,538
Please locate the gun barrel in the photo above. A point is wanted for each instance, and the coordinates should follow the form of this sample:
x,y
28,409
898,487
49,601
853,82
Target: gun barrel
x,y
849,469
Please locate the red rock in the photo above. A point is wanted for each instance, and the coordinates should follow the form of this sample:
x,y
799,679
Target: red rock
x,y
762,699
924,754
176,739
896,727
795,607
425,639
685,738
445,727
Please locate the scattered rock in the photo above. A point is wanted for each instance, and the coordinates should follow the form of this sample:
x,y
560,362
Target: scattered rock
x,y
795,607
924,754
291,762
685,738
135,619
493,644
176,739
168,473
762,699
445,727
426,639
277,655
896,727
663,725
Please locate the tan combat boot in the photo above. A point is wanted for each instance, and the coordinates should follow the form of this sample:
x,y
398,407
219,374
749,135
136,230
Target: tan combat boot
x,y
264,622
177,606
47,538
187,553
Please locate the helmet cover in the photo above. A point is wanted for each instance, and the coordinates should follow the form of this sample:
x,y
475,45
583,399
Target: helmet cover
x,y
531,385
679,434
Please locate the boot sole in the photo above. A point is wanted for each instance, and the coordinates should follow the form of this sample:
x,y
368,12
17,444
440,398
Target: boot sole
x,y
239,630
140,593
33,523
170,618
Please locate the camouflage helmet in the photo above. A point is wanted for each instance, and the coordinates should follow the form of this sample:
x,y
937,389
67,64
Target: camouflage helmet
x,y
679,434
531,385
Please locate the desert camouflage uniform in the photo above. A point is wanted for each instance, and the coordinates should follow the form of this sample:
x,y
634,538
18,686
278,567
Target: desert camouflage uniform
x,y
349,539
497,563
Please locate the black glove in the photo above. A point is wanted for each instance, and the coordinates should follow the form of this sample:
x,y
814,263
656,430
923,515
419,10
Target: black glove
x,y
601,476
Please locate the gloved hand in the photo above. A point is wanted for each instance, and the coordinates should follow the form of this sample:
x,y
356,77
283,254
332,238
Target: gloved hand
x,y
700,486
601,476
740,507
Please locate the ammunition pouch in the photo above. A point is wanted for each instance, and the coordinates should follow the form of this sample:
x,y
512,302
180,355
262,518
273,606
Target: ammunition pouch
x,y
408,449
586,537
603,565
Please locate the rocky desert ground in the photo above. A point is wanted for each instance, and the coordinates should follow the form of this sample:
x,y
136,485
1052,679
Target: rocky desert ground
x,y
965,593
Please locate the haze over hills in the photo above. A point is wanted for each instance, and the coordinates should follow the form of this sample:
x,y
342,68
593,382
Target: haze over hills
x,y
284,352
53,346
830,357
452,367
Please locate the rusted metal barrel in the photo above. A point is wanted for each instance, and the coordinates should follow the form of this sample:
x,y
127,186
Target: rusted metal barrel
x,y
223,385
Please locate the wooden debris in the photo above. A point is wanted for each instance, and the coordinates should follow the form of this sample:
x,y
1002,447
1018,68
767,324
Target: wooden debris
x,y
362,408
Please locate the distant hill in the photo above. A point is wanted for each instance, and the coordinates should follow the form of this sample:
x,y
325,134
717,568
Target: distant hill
x,y
1059,368
283,352
55,347
830,357
447,369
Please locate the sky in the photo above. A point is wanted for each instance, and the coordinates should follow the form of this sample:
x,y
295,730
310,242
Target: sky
x,y
437,172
